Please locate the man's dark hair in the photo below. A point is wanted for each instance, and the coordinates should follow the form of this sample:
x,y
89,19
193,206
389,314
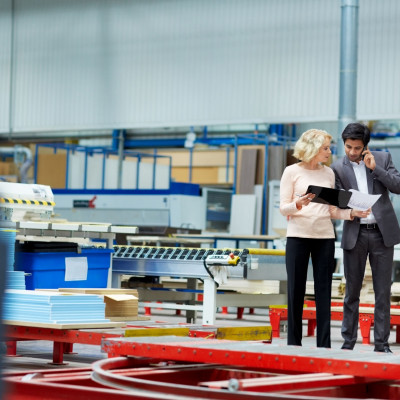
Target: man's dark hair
x,y
355,131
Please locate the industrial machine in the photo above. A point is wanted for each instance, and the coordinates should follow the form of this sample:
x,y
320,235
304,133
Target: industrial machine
x,y
26,210
137,207
18,199
214,267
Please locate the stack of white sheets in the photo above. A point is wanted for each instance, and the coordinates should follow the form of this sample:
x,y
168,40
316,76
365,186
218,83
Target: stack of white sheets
x,y
53,307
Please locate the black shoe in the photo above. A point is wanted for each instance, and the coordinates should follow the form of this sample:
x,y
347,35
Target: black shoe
x,y
385,349
347,346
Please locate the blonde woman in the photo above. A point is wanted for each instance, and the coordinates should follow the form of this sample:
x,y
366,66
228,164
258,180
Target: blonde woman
x,y
310,232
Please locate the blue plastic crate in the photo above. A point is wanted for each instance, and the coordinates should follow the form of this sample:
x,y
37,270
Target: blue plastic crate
x,y
50,270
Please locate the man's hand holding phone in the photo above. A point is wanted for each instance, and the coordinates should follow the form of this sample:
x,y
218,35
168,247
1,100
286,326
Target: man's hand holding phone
x,y
368,158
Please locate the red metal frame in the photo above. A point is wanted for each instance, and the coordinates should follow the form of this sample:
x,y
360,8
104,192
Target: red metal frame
x,y
366,320
145,379
63,339
215,351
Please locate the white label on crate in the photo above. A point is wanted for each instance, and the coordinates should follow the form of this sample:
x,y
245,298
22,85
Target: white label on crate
x,y
76,268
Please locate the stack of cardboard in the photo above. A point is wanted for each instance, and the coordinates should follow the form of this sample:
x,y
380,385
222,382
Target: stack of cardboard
x,y
121,307
200,165
121,304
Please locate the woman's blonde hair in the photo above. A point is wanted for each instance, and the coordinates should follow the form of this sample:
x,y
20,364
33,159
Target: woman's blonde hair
x,y
309,143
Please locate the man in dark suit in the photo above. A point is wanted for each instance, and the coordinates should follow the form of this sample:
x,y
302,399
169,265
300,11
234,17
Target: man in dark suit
x,y
374,236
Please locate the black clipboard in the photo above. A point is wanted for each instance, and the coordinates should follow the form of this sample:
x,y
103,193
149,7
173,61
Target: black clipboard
x,y
333,197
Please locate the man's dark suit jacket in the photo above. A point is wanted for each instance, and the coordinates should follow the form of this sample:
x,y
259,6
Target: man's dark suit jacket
x,y
382,180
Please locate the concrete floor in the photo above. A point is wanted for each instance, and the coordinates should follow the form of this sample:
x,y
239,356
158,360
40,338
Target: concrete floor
x,y
34,355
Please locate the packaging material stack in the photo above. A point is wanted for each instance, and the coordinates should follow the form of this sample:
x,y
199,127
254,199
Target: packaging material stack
x,y
120,304
121,307
14,279
53,307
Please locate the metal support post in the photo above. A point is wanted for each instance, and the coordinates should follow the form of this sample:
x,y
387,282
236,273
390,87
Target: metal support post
x,y
11,348
58,353
209,301
311,325
365,328
275,321
191,315
348,68
121,145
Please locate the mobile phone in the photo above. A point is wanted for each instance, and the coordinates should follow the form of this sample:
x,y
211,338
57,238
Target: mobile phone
x,y
363,155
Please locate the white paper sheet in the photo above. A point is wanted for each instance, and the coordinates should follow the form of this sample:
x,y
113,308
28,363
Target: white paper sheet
x,y
76,268
362,201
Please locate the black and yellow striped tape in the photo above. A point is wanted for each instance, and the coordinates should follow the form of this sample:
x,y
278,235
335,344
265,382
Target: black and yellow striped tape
x,y
30,202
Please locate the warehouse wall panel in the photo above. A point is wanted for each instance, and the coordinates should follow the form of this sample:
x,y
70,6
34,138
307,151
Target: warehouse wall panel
x,y
5,64
101,64
114,64
379,60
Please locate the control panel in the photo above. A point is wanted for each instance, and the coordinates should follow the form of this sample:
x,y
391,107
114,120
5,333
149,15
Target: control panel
x,y
222,259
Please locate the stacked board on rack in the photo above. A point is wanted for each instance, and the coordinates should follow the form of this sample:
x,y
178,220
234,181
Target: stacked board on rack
x,y
121,304
13,279
53,307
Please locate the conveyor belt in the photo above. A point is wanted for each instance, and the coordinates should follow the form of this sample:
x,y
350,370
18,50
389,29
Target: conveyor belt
x,y
190,263
255,264
171,261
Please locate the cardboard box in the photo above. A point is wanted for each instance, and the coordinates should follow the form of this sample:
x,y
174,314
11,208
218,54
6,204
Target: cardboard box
x,y
52,169
200,157
121,304
255,170
202,175
8,168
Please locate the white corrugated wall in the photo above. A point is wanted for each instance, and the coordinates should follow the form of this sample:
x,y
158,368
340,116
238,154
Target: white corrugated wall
x,y
378,94
5,64
101,64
